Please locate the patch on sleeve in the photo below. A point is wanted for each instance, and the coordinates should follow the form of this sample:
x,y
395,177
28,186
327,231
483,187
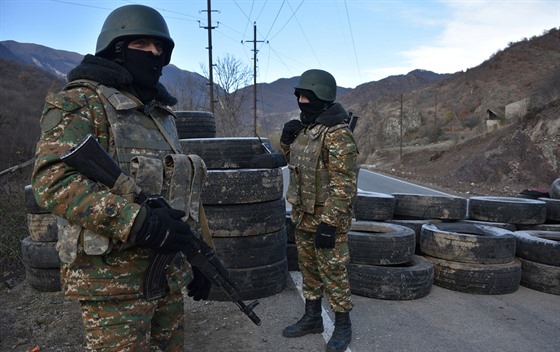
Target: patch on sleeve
x,y
50,120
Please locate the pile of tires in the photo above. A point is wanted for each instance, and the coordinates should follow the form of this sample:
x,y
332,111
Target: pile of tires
x,y
246,215
383,265
195,124
415,210
539,254
38,252
472,258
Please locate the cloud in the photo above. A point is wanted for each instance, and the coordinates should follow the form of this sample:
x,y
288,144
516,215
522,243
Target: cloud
x,y
474,30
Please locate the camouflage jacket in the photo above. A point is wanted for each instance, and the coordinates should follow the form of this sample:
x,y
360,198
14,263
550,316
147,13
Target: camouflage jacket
x,y
68,116
321,160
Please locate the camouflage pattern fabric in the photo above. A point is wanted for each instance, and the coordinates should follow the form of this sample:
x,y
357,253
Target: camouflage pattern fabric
x,y
322,186
106,285
324,270
134,325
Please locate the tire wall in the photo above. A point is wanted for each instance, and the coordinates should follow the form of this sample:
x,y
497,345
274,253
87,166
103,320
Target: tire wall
x,y
38,252
246,215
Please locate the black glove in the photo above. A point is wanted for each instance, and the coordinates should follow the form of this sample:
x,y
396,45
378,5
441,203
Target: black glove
x,y
290,131
325,236
199,287
164,231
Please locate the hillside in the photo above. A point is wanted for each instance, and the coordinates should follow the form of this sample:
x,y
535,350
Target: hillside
x,y
440,112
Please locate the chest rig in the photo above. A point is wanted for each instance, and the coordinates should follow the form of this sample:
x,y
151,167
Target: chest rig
x,y
309,178
145,144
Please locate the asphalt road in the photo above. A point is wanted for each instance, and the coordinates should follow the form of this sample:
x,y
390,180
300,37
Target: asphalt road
x,y
444,320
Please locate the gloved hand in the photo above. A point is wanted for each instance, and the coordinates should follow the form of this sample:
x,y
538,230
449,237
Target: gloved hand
x,y
325,236
164,231
199,287
290,131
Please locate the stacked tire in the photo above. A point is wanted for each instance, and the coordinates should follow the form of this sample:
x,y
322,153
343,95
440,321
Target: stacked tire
x,y
383,265
539,254
38,252
472,258
246,214
195,124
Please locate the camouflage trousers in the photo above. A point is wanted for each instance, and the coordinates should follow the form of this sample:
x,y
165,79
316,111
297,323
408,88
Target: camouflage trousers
x,y
324,270
134,325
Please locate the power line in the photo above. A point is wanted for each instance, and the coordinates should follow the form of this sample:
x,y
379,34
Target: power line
x,y
353,43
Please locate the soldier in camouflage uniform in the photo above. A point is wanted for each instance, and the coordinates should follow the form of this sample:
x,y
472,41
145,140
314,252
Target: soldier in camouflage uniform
x,y
321,155
105,239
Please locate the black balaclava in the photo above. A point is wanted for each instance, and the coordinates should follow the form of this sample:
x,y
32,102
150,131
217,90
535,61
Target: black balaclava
x,y
310,111
145,68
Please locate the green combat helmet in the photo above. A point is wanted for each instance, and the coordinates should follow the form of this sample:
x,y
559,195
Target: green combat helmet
x,y
133,21
319,82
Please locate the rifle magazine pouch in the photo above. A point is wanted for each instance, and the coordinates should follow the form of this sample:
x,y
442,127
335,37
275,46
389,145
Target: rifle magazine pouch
x,y
178,174
148,174
68,237
126,187
184,175
95,244
199,175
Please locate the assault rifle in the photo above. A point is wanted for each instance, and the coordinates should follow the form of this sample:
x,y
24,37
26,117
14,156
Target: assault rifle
x,y
91,160
352,120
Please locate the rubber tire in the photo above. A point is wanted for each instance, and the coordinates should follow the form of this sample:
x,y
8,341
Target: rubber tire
x,y
468,243
421,206
225,153
540,277
40,255
416,226
407,281
502,225
510,210
379,243
291,254
257,282
42,227
246,219
539,246
251,251
44,280
31,205
552,209
373,206
195,124
554,190
290,228
240,186
482,279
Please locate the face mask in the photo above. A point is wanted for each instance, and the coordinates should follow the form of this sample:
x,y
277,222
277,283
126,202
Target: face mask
x,y
145,69
310,111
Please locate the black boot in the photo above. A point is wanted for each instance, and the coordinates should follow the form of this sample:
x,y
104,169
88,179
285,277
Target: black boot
x,y
342,333
310,323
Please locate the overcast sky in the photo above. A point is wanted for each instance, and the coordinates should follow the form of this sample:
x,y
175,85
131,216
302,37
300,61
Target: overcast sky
x,y
358,41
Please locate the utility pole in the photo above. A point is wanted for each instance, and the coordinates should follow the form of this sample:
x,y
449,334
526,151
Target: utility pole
x,y
255,41
401,124
210,62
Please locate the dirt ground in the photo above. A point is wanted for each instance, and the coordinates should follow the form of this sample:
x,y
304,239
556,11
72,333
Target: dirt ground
x,y
500,164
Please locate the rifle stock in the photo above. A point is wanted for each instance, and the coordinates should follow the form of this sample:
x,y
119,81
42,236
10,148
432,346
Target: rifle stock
x,y
90,159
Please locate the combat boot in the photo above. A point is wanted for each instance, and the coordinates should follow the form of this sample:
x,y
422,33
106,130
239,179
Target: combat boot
x,y
310,323
342,333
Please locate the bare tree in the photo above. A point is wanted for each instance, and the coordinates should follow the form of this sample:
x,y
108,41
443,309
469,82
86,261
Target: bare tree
x,y
230,76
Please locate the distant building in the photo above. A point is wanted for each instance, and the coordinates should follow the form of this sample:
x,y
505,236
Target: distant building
x,y
492,115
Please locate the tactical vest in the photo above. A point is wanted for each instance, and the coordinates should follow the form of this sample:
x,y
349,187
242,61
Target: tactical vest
x,y
146,146
309,178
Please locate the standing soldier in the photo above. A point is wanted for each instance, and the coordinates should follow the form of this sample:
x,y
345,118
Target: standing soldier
x,y
321,155
106,240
